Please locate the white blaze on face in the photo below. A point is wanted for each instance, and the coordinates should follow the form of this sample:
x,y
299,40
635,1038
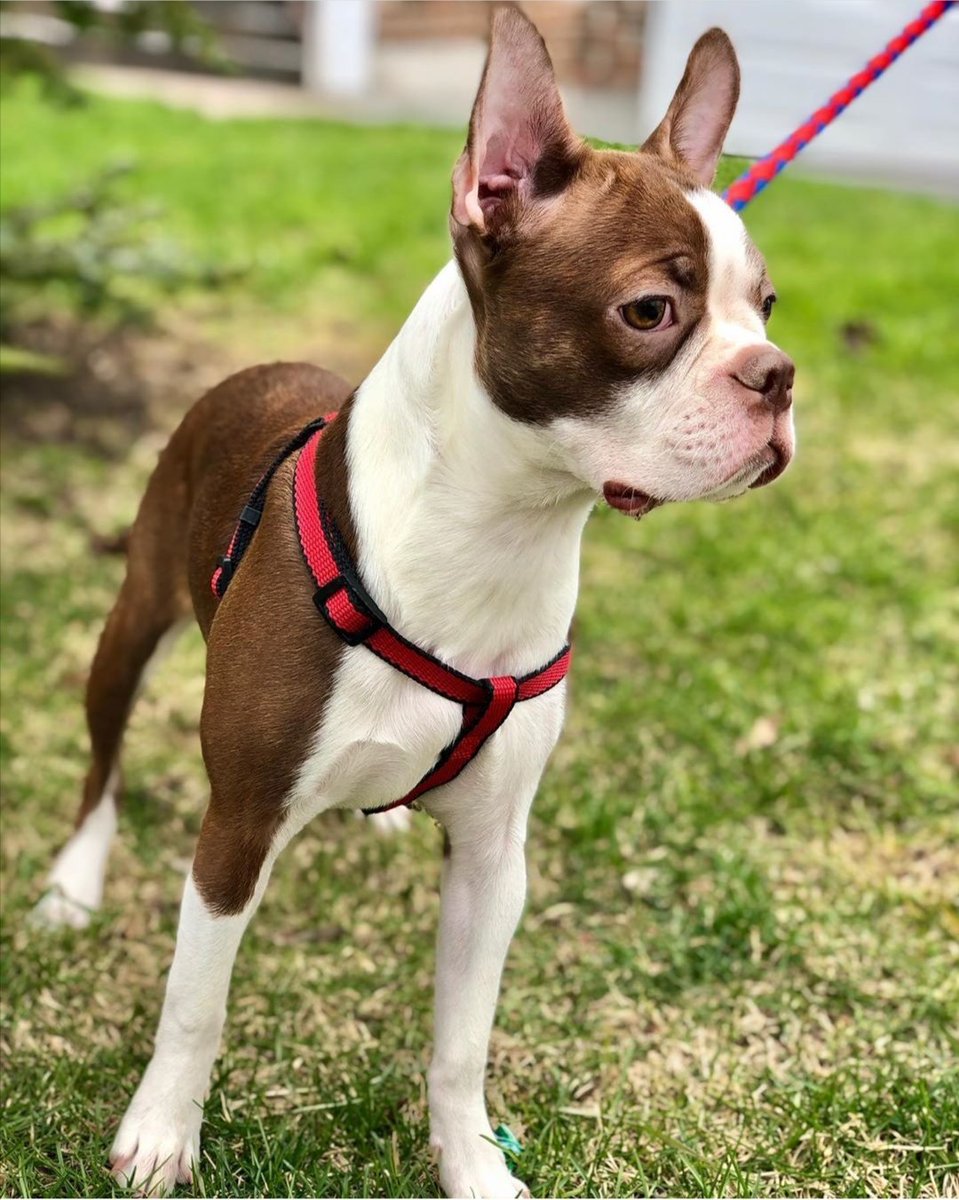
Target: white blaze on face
x,y
734,271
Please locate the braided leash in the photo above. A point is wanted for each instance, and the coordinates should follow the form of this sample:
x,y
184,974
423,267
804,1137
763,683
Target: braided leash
x,y
764,170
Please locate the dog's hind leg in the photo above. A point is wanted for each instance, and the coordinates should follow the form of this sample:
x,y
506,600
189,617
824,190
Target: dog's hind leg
x,y
150,610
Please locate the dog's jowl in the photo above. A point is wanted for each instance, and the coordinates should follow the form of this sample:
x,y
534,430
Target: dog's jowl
x,y
390,607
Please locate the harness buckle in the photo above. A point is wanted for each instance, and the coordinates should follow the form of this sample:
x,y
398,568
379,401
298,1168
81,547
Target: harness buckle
x,y
341,616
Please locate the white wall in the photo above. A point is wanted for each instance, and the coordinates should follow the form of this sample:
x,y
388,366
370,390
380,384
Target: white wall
x,y
796,53
338,46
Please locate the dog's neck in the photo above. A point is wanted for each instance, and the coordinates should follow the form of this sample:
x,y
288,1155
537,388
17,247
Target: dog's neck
x,y
468,536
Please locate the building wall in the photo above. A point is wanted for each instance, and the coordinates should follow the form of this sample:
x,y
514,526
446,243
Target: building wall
x,y
794,55
594,43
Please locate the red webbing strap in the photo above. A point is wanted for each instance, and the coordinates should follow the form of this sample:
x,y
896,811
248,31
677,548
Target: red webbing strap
x,y
355,618
504,693
216,581
319,555
537,682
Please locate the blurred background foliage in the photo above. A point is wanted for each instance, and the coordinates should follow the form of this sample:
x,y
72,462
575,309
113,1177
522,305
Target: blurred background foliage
x,y
172,19
88,247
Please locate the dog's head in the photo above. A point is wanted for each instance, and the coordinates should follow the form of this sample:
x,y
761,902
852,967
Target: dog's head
x,y
620,306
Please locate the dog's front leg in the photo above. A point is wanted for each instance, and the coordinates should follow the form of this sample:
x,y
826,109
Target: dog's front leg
x,y
483,889
158,1142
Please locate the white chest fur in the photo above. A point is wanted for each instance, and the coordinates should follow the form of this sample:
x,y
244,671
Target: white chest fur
x,y
381,732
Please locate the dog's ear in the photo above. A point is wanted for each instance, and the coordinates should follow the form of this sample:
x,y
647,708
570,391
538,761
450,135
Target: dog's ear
x,y
698,118
520,144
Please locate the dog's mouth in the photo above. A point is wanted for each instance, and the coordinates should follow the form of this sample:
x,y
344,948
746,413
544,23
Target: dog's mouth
x,y
778,462
760,470
629,500
768,465
773,460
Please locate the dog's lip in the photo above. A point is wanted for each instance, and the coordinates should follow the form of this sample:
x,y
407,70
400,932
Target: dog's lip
x,y
629,500
778,461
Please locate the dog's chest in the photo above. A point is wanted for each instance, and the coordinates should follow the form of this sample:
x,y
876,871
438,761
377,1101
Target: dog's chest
x,y
380,732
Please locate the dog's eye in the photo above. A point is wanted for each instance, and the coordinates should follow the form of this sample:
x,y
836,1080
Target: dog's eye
x,y
651,312
768,306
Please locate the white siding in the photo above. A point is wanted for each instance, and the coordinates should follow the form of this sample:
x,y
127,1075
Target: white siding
x,y
796,53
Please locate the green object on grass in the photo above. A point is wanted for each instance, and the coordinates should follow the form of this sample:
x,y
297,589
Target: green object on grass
x,y
508,1141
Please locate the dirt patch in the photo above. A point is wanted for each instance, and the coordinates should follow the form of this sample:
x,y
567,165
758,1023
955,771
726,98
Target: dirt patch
x,y
117,384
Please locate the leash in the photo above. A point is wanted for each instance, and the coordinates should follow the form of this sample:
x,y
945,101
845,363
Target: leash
x,y
764,170
355,618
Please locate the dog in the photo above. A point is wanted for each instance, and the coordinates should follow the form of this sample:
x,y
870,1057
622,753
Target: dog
x,y
389,616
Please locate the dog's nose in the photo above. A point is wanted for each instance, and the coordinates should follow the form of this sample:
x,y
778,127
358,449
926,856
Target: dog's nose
x,y
770,373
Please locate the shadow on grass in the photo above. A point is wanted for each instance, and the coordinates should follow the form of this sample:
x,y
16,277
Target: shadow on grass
x,y
108,388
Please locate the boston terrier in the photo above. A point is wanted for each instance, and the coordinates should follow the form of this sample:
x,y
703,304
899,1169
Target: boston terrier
x,y
385,576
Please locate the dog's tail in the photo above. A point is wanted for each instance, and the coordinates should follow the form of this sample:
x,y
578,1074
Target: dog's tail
x,y
111,543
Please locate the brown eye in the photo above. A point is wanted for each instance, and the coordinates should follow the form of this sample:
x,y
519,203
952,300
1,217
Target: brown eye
x,y
768,306
651,312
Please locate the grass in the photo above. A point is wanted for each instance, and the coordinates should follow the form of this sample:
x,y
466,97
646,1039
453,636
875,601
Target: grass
x,y
738,969
295,207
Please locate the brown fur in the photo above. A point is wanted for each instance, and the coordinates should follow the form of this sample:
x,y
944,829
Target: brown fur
x,y
270,657
549,340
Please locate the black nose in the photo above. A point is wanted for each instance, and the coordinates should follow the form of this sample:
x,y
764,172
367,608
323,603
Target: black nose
x,y
771,373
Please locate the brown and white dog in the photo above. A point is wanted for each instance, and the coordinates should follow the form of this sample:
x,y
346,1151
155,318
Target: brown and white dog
x,y
600,332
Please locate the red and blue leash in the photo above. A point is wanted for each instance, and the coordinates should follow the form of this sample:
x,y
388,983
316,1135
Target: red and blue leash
x,y
764,170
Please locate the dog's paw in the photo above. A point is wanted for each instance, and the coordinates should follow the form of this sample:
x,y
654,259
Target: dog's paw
x,y
392,822
58,910
153,1151
475,1167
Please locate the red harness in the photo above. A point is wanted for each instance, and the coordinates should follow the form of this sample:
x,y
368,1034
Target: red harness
x,y
354,617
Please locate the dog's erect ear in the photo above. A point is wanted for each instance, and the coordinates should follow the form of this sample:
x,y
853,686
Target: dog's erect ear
x,y
697,120
520,144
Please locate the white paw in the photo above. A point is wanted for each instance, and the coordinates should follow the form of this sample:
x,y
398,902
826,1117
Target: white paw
x,y
474,1168
56,910
391,822
75,885
156,1149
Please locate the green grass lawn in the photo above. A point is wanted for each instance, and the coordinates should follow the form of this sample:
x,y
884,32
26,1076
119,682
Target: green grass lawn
x,y
738,969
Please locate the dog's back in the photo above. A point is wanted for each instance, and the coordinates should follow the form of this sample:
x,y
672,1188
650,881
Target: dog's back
x,y
221,448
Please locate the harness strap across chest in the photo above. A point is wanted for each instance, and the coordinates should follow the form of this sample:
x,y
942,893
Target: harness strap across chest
x,y
354,617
